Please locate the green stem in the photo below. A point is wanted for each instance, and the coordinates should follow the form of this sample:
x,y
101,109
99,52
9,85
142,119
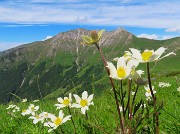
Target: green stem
x,y
72,120
122,98
113,87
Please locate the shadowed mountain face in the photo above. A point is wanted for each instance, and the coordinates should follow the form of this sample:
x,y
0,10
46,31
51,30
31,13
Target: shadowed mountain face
x,y
60,64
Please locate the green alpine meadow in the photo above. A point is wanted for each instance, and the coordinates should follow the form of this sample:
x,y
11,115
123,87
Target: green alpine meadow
x,y
91,82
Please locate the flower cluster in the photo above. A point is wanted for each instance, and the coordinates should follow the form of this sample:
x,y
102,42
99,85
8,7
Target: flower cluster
x,y
51,120
163,84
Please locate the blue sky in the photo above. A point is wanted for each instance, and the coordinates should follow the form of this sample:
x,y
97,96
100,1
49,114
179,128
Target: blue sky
x,y
24,21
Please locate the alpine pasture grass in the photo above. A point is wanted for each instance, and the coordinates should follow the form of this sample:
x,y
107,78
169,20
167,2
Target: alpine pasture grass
x,y
102,117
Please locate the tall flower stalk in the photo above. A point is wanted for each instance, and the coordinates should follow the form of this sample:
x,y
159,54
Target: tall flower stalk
x,y
113,87
94,39
155,115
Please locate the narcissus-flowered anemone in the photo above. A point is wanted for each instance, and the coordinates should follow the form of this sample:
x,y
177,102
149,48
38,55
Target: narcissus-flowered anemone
x,y
149,55
64,102
83,102
56,120
123,69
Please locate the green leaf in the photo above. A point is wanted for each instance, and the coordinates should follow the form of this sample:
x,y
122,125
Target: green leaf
x,y
100,33
86,39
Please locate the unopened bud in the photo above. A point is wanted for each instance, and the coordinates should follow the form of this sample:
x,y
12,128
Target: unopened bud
x,y
94,36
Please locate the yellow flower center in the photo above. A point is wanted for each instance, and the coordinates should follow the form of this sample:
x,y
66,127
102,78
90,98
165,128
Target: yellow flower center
x,y
66,102
121,72
57,121
37,116
149,91
83,102
146,55
32,108
133,71
24,110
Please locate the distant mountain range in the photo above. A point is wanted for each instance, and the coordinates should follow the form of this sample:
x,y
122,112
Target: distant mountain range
x,y
60,65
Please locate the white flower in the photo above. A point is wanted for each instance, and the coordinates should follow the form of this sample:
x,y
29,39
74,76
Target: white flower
x,y
26,112
178,89
37,118
24,100
148,91
83,102
33,109
122,71
35,100
132,93
64,102
163,84
121,109
149,55
56,121
11,106
16,109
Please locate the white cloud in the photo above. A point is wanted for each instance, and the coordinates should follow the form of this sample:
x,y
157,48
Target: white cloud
x,y
148,36
167,37
47,37
8,45
156,14
174,29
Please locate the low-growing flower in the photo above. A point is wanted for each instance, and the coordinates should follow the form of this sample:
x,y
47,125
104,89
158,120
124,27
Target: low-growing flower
x,y
11,106
83,102
149,55
35,100
25,112
33,109
37,118
64,102
178,89
93,39
24,100
163,84
148,91
56,121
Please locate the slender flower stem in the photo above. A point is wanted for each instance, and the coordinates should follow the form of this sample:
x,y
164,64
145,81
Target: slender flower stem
x,y
129,97
113,87
72,120
122,98
133,101
155,116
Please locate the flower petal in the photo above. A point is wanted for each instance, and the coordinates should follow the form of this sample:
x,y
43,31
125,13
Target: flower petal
x,y
66,118
136,54
60,100
85,95
77,98
121,62
76,105
90,98
112,69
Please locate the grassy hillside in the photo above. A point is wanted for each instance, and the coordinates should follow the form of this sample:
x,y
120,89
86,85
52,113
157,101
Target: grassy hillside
x,y
61,65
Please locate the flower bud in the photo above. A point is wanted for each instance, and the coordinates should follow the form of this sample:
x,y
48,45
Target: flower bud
x,y
94,36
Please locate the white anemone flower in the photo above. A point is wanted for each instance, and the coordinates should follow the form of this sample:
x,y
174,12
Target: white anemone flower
x,y
33,109
122,71
64,102
25,112
127,55
148,91
37,118
178,89
24,100
83,102
11,106
56,121
149,55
